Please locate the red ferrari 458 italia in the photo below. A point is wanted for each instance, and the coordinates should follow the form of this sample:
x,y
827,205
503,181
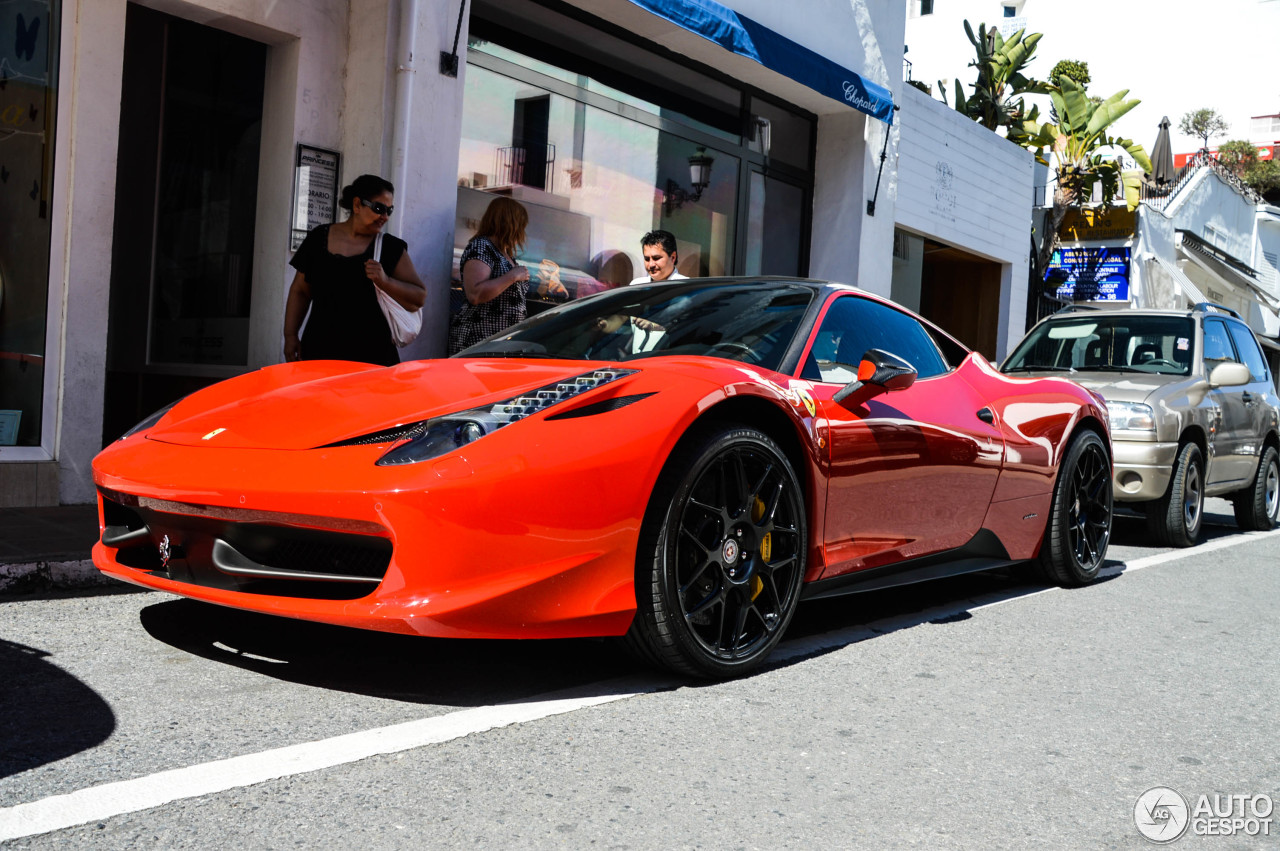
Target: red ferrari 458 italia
x,y
679,464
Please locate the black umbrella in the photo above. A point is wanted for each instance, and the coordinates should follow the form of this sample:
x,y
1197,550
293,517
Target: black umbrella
x,y
1162,156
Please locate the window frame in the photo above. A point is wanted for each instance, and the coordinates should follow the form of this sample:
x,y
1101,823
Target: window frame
x,y
929,333
1232,329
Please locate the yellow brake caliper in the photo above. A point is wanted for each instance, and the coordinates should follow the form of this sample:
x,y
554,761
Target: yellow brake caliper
x,y
766,546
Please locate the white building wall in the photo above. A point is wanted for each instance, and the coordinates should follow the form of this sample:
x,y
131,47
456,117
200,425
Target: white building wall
x,y
1216,213
1266,257
305,61
960,184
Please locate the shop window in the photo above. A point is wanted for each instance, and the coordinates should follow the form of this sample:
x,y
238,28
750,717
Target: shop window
x,y
29,64
603,140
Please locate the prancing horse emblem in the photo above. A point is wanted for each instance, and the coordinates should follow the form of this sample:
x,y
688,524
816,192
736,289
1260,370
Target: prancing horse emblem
x,y
165,552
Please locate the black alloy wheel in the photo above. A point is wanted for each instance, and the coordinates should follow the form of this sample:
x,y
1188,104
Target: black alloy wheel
x,y
1079,527
722,558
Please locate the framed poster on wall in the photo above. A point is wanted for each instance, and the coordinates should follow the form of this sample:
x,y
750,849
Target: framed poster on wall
x,y
315,190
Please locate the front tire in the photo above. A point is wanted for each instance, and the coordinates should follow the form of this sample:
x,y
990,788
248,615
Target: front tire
x,y
1257,507
1079,527
721,556
1174,520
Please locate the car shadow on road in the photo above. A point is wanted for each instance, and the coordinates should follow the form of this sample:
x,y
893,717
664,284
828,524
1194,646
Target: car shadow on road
x,y
414,669
46,714
458,672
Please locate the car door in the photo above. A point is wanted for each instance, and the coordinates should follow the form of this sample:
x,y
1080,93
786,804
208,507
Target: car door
x,y
911,471
1257,396
1230,459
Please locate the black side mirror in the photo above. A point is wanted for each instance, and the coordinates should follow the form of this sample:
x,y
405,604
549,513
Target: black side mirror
x,y
879,372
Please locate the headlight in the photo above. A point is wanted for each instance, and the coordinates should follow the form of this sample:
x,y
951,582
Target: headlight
x,y
445,434
1131,416
149,421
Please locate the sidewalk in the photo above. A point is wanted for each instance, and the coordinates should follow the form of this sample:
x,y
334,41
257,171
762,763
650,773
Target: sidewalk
x,y
48,548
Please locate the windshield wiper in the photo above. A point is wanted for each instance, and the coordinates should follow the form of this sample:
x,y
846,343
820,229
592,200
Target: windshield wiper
x,y
517,353
1040,367
1111,367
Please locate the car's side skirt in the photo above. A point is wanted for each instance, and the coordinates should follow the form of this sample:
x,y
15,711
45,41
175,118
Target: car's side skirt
x,y
983,552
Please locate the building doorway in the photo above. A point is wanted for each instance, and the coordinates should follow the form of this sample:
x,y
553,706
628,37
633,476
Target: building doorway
x,y
186,188
956,290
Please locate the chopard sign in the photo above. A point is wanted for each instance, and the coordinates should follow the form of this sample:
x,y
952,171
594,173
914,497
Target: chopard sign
x,y
853,96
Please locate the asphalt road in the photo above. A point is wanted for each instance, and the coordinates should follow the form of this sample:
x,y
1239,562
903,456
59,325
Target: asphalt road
x,y
980,712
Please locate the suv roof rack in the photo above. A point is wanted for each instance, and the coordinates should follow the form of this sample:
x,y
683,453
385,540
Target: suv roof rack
x,y
1072,308
1206,306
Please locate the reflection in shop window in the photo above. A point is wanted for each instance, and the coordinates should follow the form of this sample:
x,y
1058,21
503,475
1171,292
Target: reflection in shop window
x,y
593,182
29,63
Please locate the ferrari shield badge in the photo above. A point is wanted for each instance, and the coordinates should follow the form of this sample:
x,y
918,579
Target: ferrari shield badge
x,y
807,398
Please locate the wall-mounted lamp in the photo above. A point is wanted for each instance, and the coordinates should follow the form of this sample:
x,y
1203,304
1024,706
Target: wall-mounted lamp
x,y
699,179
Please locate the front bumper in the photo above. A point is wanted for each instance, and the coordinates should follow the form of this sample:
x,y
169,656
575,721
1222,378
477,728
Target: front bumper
x,y
447,550
1142,469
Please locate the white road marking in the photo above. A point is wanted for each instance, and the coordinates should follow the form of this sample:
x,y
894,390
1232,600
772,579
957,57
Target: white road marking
x,y
97,803
128,796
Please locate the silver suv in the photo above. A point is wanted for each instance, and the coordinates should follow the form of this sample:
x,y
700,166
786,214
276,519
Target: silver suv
x,y
1192,404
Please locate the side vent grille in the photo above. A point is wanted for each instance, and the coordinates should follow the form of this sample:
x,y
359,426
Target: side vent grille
x,y
600,407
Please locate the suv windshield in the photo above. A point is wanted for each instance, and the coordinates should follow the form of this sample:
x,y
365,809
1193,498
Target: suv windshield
x,y
749,322
1085,343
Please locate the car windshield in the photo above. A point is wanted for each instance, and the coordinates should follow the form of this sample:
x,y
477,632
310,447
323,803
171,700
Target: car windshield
x,y
1083,343
752,322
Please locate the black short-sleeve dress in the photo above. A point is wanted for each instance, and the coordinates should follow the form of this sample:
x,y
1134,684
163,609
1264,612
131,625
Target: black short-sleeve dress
x,y
346,322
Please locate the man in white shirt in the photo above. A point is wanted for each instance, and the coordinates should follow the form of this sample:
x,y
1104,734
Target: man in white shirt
x,y
658,249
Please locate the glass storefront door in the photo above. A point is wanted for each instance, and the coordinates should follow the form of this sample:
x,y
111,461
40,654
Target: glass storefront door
x,y
29,32
186,189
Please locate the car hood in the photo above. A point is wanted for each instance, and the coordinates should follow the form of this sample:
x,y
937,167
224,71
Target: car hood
x,y
1125,386
303,406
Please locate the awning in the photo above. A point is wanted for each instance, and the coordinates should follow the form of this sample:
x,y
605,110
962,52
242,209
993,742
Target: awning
x,y
1184,283
742,36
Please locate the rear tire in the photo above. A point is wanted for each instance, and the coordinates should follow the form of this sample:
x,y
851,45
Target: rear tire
x,y
1079,527
721,557
1257,507
1174,520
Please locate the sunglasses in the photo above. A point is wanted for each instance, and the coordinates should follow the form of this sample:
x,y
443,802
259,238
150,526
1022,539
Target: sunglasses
x,y
378,209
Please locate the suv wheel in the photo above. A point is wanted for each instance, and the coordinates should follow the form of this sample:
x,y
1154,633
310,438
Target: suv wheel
x,y
1174,519
1258,506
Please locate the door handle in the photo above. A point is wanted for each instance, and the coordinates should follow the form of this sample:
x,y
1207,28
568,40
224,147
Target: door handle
x,y
986,416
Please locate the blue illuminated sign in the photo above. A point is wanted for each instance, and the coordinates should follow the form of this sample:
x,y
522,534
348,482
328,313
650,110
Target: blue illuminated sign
x,y
1090,273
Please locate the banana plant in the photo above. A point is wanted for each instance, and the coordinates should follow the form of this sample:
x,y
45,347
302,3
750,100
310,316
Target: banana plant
x,y
1079,146
997,95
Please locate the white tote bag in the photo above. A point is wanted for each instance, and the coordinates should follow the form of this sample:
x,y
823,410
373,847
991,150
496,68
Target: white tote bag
x,y
405,324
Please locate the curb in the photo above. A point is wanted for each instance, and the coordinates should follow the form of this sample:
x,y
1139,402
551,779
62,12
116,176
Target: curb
x,y
37,576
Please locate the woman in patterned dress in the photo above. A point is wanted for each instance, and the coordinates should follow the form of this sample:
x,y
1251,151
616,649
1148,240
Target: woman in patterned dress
x,y
494,285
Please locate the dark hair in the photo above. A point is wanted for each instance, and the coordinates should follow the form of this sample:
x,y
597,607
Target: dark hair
x,y
665,238
365,186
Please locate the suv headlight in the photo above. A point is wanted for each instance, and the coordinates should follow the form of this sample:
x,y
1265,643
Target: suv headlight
x,y
1131,416
445,434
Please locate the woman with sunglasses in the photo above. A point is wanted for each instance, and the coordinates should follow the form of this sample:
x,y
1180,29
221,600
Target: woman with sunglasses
x,y
336,278
495,286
